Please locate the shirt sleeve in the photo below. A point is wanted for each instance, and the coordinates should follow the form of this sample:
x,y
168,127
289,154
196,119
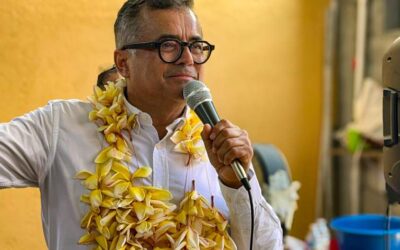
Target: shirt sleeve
x,y
267,228
25,148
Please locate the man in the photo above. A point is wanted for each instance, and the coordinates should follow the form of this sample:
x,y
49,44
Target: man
x,y
159,48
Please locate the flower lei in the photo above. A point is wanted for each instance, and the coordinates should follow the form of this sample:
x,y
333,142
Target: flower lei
x,y
124,215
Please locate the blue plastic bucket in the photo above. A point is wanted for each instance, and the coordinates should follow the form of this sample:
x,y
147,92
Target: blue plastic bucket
x,y
366,232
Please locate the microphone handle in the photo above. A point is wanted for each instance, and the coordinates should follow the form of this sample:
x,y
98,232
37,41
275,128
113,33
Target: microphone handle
x,y
208,115
241,174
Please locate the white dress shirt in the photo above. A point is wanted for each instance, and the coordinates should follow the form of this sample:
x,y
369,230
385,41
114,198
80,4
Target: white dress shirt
x,y
47,147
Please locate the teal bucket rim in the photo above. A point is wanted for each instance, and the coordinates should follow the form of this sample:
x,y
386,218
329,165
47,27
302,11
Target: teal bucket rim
x,y
359,231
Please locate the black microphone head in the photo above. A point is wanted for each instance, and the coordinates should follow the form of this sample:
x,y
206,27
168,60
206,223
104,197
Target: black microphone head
x,y
195,93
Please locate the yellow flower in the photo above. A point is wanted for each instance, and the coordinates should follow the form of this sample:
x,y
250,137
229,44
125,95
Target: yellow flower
x,y
187,138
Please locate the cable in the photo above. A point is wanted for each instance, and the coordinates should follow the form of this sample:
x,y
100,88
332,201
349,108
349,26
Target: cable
x,y
387,235
252,218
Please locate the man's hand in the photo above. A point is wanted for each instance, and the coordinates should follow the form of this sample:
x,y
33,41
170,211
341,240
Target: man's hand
x,y
225,143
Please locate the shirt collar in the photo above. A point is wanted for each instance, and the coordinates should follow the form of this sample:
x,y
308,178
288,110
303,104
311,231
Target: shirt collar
x,y
178,123
144,119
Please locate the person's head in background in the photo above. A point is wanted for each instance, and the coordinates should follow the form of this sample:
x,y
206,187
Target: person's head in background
x,y
107,75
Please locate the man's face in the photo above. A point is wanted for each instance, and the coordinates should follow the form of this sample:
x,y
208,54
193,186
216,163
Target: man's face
x,y
149,76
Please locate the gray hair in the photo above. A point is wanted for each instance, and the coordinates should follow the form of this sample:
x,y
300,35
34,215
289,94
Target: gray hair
x,y
127,25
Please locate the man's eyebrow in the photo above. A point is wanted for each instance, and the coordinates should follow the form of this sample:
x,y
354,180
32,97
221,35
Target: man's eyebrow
x,y
166,36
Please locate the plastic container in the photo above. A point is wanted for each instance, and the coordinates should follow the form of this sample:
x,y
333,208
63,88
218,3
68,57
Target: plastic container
x,y
366,232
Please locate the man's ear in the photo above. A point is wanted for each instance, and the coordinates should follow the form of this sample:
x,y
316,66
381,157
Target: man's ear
x,y
121,62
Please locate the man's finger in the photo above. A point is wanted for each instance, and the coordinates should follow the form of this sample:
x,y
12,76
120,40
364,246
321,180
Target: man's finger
x,y
227,145
205,134
224,135
240,153
219,127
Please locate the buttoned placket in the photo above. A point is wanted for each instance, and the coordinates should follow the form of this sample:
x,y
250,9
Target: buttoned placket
x,y
160,157
160,166
160,175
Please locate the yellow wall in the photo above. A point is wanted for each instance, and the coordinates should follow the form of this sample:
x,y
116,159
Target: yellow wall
x,y
265,76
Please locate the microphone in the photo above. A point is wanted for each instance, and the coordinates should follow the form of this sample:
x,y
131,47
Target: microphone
x,y
199,99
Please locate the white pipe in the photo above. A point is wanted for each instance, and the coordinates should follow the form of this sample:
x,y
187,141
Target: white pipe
x,y
324,201
361,27
354,173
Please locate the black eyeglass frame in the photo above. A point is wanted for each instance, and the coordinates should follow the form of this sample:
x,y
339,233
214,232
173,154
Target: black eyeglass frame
x,y
157,45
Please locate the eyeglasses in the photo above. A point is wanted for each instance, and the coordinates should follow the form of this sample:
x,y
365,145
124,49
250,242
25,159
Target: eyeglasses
x,y
170,50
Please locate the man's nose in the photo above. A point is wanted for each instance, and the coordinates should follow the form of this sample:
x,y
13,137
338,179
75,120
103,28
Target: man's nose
x,y
186,57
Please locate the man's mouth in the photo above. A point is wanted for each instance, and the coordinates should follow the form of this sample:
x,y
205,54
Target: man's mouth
x,y
183,76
